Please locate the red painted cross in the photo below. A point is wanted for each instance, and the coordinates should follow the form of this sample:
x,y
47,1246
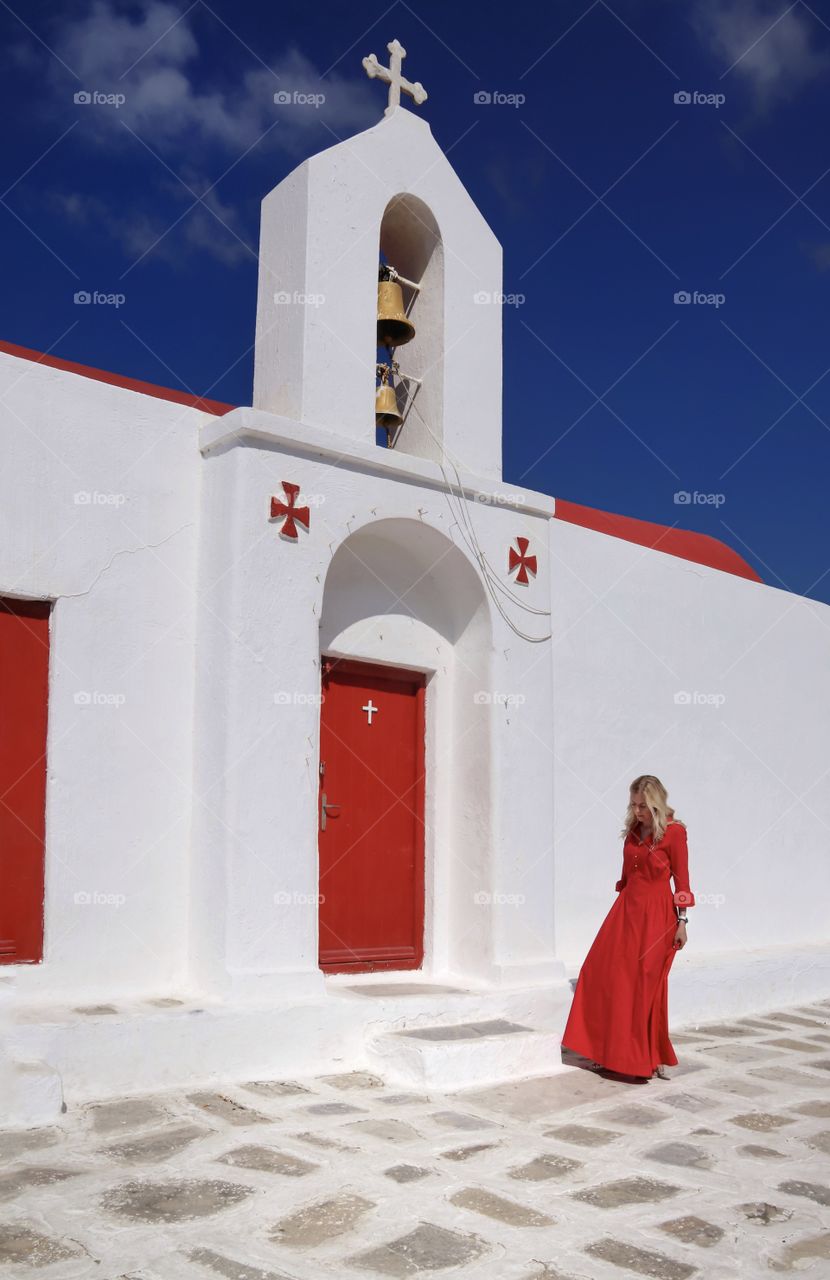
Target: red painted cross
x,y
523,561
291,512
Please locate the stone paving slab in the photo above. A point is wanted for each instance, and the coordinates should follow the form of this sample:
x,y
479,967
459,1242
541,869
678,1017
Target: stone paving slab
x,y
720,1172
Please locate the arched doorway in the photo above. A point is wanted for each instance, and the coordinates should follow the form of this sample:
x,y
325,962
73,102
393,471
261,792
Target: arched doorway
x,y
405,752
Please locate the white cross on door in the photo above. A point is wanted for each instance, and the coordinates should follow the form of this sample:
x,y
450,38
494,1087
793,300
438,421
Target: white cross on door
x,y
370,709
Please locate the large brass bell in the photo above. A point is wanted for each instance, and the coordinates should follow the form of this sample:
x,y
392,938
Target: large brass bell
x,y
387,413
394,326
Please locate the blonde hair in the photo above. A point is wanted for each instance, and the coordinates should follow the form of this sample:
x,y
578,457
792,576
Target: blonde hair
x,y
657,799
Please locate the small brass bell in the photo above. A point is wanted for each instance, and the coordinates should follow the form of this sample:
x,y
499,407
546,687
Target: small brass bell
x,y
387,414
394,326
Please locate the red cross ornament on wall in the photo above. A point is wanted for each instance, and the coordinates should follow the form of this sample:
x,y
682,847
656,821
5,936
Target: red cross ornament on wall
x,y
521,560
293,514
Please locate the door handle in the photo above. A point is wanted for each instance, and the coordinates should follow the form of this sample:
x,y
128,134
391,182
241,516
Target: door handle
x,y
324,810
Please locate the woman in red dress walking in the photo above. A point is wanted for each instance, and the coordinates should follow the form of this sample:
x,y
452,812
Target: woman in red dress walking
x,y
619,1015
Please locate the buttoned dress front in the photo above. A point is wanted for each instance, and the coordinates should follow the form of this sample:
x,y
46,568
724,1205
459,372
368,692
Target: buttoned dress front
x,y
619,1016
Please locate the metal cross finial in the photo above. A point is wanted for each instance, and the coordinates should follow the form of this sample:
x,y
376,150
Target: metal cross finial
x,y
392,76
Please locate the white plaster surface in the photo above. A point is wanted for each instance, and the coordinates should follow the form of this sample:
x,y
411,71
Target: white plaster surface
x,y
747,773
99,512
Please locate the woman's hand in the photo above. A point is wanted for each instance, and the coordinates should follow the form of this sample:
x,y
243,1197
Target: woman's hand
x,y
680,936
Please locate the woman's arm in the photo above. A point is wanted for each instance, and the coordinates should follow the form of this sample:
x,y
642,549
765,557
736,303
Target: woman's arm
x,y
678,851
621,882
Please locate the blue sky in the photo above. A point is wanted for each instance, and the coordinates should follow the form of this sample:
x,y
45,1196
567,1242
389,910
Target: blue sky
x,y
609,196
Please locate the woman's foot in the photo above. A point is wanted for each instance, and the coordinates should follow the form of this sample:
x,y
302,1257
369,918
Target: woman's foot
x,y
661,1072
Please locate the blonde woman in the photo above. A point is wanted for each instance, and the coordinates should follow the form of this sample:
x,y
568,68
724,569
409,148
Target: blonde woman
x,y
619,1013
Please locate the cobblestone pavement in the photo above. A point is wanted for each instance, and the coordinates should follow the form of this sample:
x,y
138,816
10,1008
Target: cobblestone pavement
x,y
721,1171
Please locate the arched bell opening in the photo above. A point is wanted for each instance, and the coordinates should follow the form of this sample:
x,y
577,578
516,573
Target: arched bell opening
x,y
410,372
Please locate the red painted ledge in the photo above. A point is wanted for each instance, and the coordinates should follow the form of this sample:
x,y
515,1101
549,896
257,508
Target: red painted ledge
x,y
698,547
115,380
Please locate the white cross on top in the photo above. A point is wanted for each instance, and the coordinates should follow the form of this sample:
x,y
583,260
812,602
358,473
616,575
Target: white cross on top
x,y
392,76
371,709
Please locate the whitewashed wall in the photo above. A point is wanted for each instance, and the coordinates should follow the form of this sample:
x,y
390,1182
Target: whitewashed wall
x,y
744,752
99,512
268,608
529,815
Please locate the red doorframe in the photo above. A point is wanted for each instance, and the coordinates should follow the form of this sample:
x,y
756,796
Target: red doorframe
x,y
367,950
24,687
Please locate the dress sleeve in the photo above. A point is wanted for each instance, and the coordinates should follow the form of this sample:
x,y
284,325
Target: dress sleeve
x,y
678,850
621,882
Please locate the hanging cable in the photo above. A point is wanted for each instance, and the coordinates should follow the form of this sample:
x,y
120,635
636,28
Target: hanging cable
x,y
468,533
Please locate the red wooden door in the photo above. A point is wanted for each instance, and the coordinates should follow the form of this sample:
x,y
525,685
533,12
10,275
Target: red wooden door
x,y
24,680
371,818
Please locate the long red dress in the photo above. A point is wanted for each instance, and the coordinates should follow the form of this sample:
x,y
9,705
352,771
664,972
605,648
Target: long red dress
x,y
620,1014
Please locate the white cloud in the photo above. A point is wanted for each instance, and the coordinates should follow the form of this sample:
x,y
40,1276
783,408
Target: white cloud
x,y
775,54
193,115
154,60
820,254
105,43
140,231
77,207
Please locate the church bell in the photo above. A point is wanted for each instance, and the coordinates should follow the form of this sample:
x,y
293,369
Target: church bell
x,y
394,326
387,414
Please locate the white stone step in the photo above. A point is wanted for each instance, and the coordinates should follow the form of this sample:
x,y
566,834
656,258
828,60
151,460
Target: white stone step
x,y
32,1094
463,1054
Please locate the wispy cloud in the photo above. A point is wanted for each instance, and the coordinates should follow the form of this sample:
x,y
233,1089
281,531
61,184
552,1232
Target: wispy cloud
x,y
151,55
820,255
141,231
774,48
184,119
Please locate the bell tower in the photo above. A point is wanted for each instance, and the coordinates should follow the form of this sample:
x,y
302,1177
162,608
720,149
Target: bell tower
x,y
383,208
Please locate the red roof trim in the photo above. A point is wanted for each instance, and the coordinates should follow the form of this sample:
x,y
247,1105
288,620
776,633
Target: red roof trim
x,y
115,380
698,547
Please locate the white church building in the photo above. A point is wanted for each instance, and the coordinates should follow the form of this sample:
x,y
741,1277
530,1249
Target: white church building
x,y
316,746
